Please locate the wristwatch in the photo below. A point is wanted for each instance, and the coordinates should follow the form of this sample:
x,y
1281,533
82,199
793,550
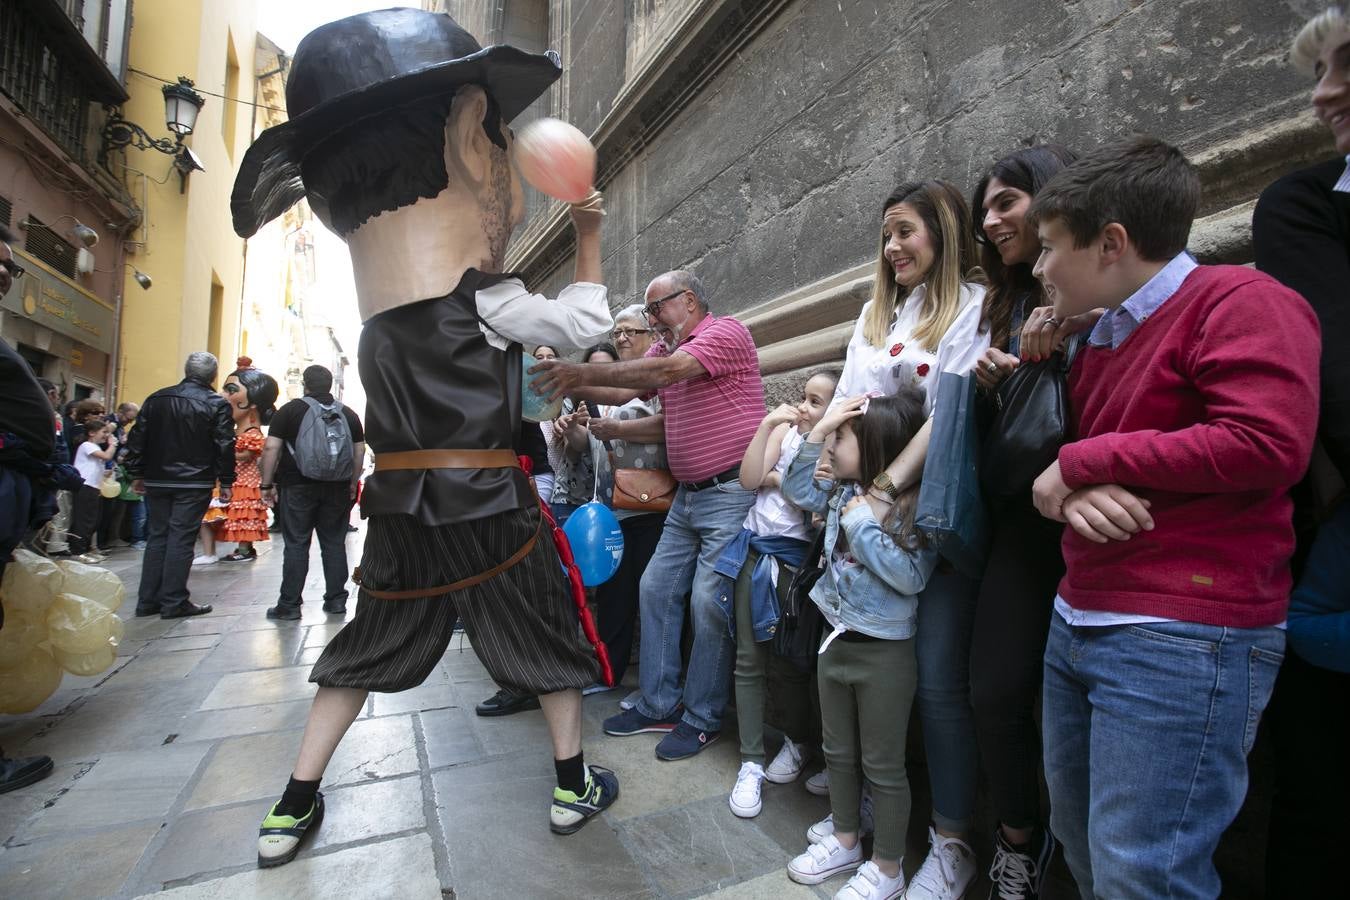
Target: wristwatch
x,y
884,484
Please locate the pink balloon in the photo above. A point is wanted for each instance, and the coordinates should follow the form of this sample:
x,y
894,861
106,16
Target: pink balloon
x,y
557,159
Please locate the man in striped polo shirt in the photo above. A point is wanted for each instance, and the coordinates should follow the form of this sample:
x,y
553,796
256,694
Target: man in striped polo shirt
x,y
708,381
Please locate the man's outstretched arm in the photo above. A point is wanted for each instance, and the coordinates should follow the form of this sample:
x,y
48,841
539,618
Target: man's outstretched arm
x,y
613,383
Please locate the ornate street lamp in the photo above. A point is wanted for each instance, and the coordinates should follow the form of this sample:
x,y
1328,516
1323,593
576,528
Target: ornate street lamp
x,y
181,105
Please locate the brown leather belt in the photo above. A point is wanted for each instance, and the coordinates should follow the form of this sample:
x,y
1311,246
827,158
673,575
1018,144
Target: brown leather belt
x,y
450,459
446,459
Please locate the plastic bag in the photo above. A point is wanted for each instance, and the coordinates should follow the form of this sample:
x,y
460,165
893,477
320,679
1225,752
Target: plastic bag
x,y
31,583
86,663
24,687
96,583
22,632
77,624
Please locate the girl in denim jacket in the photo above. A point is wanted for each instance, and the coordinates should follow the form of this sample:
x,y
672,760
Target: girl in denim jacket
x,y
867,672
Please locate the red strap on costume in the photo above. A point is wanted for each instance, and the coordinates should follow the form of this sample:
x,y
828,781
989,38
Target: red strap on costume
x,y
578,589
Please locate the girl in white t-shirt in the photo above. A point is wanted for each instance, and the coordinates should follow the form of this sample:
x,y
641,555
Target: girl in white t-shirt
x,y
772,527
89,462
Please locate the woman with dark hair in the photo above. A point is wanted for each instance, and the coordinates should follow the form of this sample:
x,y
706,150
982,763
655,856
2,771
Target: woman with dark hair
x,y
1012,611
252,396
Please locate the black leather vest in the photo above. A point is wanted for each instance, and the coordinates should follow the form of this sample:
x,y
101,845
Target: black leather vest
x,y
433,382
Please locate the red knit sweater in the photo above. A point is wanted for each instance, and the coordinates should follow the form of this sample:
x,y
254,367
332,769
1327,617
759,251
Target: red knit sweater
x,y
1208,410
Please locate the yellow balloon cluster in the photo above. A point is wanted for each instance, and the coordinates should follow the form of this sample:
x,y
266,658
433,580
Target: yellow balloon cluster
x,y
57,616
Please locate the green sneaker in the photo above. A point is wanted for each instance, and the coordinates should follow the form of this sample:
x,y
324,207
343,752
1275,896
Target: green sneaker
x,y
280,836
570,811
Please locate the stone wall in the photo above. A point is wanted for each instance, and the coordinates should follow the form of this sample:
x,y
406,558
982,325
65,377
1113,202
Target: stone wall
x,y
753,140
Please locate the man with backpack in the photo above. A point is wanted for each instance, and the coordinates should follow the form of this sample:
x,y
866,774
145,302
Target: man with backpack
x,y
313,456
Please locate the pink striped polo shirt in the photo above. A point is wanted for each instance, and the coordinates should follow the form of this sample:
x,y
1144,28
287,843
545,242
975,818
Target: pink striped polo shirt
x,y
710,419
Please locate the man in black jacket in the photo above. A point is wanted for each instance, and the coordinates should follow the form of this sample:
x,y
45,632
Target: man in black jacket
x,y
182,445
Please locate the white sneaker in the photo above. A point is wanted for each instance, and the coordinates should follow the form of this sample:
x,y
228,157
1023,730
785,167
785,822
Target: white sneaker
x,y
872,884
787,765
819,783
824,860
204,560
744,799
630,701
91,558
825,827
596,688
946,873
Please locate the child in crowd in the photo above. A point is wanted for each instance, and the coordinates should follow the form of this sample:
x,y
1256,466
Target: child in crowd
x,y
775,533
90,458
867,672
1194,404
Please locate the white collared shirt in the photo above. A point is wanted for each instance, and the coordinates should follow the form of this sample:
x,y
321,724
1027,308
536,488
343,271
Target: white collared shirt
x,y
1343,183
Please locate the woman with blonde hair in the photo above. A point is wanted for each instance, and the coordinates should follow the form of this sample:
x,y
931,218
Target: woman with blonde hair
x,y
924,318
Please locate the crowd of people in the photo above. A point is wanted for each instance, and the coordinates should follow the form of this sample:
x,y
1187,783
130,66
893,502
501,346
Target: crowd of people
x,y
1106,609
1136,585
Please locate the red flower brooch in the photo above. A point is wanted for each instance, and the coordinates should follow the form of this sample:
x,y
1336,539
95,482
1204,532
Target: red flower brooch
x,y
922,369
896,349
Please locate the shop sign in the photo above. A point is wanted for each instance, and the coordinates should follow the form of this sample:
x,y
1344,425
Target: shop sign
x,y
56,302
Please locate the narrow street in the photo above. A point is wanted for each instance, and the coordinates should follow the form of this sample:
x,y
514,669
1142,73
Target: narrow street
x,y
166,763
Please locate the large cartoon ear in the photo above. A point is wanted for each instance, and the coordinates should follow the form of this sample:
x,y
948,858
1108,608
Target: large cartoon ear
x,y
465,135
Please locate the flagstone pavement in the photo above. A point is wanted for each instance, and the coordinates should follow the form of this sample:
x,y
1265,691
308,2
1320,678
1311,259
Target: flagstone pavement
x,y
166,763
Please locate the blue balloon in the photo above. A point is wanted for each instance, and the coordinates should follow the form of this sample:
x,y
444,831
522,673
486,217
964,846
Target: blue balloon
x,y
597,542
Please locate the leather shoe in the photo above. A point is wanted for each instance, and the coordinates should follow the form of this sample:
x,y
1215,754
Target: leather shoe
x,y
141,614
504,703
277,612
17,773
335,610
187,609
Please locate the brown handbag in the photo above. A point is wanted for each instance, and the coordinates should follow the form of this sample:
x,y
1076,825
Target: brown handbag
x,y
642,490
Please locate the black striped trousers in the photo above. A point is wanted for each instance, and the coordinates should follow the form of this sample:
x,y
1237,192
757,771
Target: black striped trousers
x,y
522,622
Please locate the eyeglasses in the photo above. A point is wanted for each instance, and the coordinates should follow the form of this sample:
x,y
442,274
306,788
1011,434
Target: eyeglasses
x,y
629,333
14,268
653,309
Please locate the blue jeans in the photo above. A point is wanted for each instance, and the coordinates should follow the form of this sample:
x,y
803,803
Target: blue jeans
x,y
699,525
562,512
1146,731
942,648
136,509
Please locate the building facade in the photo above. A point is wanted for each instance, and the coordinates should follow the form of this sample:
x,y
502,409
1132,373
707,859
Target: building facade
x,y
186,242
285,326
755,140
60,65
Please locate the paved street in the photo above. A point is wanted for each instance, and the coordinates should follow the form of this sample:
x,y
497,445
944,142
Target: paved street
x,y
166,763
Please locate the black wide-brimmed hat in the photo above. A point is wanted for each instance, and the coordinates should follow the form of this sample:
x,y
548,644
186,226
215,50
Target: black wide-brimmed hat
x,y
361,66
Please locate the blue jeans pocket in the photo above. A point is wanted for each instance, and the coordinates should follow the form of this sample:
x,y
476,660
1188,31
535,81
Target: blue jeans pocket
x,y
1262,667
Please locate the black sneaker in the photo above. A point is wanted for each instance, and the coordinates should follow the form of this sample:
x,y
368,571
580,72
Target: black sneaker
x,y
17,773
570,811
1018,875
504,703
280,612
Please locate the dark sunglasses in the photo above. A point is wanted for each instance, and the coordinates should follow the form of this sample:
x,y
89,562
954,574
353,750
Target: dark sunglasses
x,y
14,268
653,309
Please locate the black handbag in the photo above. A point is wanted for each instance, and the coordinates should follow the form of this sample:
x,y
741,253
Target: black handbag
x,y
797,637
1030,424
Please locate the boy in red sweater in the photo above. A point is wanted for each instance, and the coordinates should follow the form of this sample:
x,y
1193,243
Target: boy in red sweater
x,y
1194,404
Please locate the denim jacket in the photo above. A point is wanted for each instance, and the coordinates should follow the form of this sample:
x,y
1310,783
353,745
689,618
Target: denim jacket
x,y
879,597
773,550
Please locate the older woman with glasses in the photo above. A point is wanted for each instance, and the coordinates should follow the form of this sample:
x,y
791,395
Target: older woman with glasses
x,y
635,434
